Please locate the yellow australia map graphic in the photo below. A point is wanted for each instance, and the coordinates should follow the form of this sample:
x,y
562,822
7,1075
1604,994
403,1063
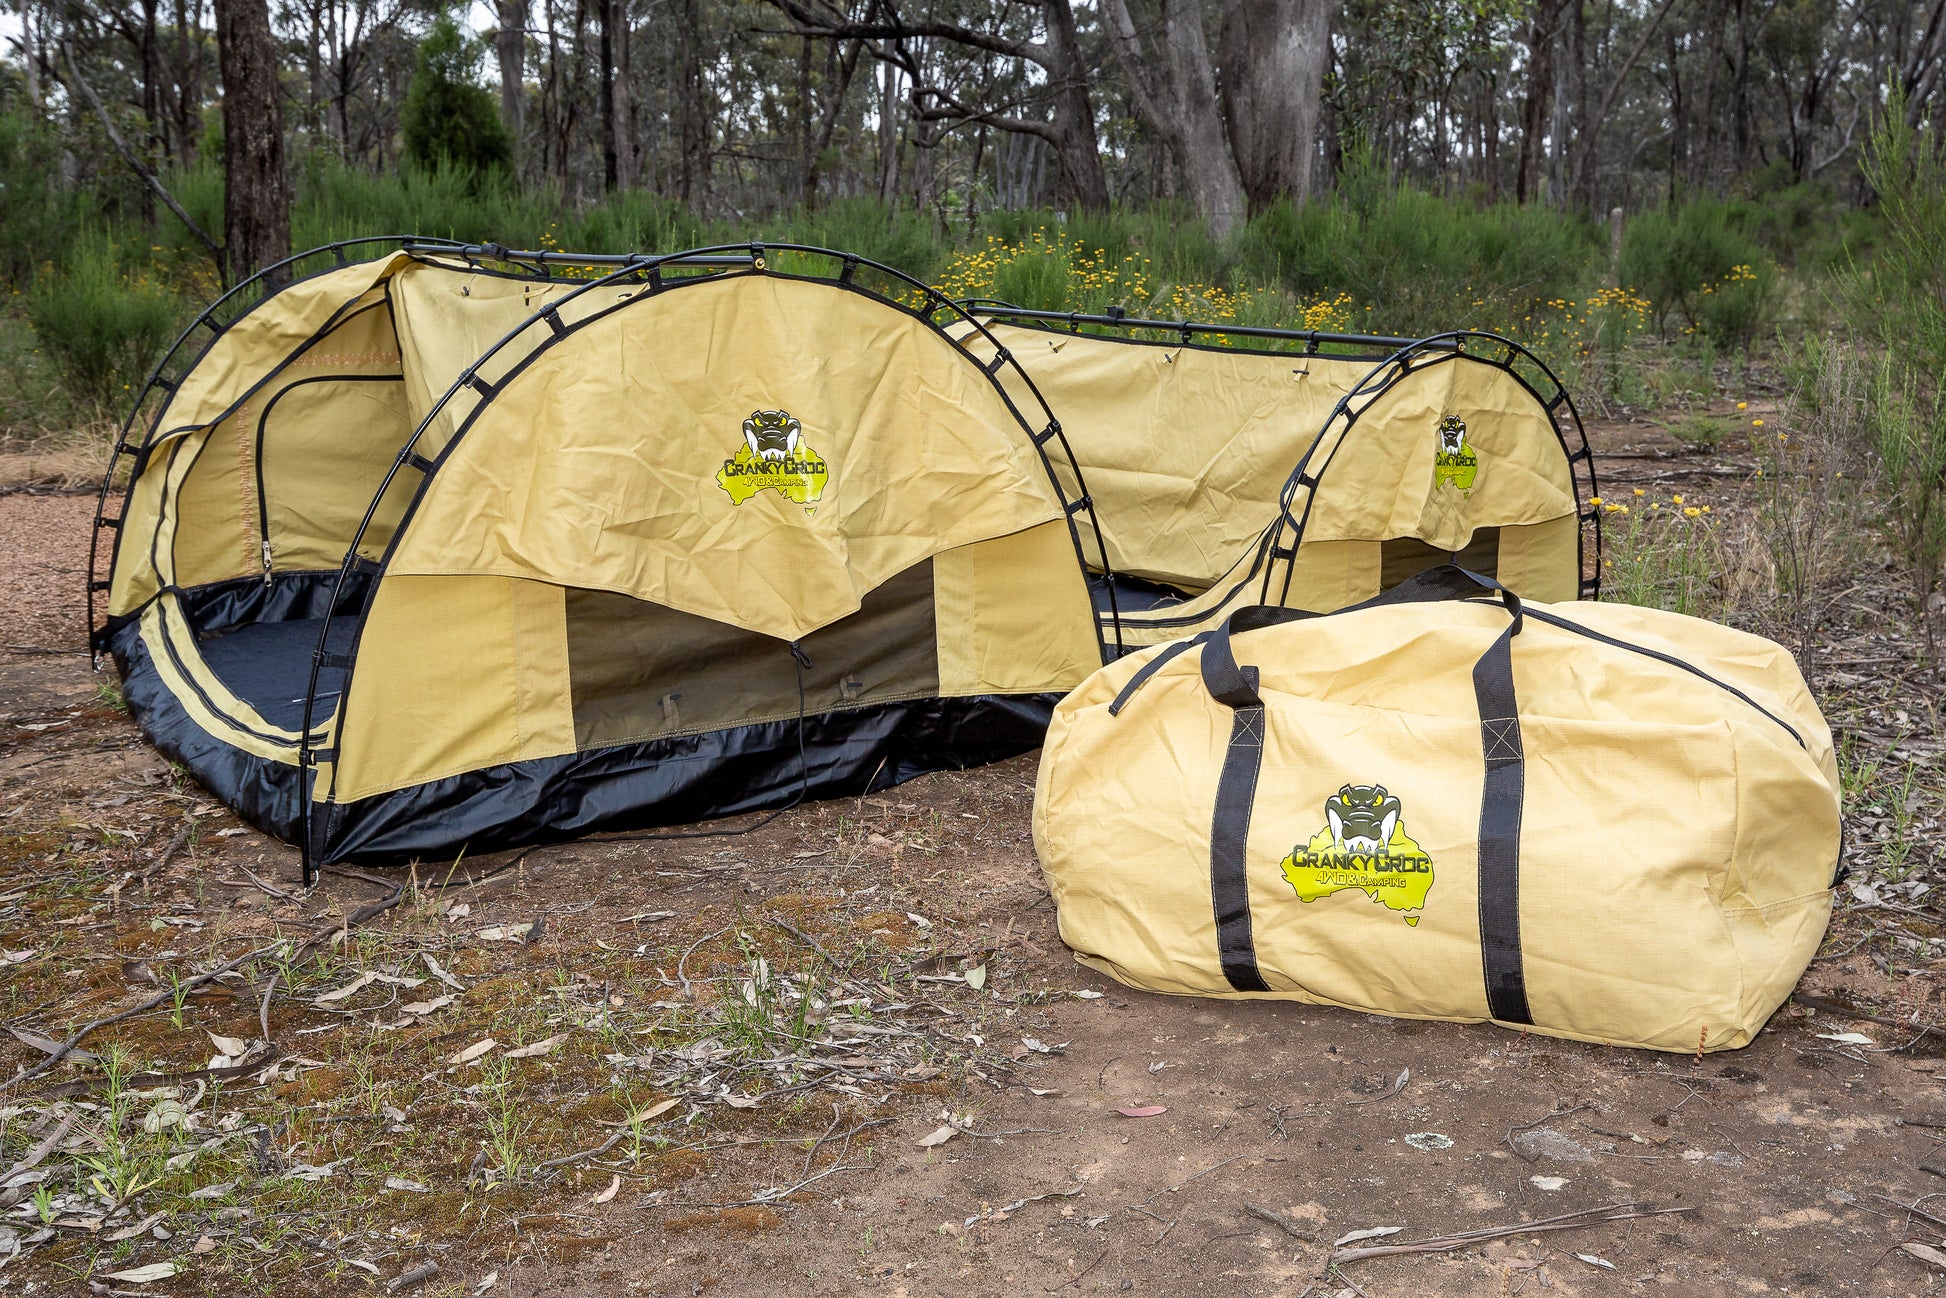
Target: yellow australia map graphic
x,y
1455,463
1363,845
774,457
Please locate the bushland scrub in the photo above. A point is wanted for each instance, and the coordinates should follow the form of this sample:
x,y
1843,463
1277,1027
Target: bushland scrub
x,y
96,290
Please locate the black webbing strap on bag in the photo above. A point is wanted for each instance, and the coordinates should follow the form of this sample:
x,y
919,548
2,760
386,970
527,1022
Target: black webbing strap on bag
x,y
1501,798
1236,793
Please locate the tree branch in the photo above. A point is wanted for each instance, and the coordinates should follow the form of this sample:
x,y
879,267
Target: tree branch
x,y
135,164
1128,52
806,23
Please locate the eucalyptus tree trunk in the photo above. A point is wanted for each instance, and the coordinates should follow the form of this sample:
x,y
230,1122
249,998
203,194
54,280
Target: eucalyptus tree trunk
x,y
256,187
510,45
1274,54
1173,85
1543,33
1083,182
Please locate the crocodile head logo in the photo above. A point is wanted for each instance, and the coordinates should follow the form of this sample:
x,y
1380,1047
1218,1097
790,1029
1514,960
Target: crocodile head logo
x,y
772,434
1362,818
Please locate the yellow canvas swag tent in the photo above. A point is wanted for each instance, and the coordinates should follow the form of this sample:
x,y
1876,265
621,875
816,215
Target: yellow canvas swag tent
x,y
443,547
1306,470
438,549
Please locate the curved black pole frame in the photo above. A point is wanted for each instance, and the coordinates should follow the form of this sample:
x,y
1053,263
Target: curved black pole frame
x,y
161,379
714,262
1433,350
1388,370
1314,340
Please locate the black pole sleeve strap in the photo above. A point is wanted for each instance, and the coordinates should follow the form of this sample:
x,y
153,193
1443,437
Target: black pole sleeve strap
x,y
1502,795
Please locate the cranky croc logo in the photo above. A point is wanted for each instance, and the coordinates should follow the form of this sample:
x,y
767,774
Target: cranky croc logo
x,y
1455,463
1363,845
774,457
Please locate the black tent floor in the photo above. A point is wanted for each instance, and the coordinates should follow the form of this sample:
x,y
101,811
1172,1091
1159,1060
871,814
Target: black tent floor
x,y
268,666
1132,594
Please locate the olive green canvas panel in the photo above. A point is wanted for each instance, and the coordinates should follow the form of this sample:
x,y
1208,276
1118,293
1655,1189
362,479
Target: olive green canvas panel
x,y
1408,556
641,670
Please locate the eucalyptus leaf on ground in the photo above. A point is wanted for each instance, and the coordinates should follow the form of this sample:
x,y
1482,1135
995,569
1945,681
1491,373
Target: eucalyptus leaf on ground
x,y
144,1274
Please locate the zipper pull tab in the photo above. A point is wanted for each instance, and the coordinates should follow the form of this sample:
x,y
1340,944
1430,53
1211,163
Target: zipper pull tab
x,y
266,563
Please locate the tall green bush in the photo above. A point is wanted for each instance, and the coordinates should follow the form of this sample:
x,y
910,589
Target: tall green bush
x,y
450,120
1422,262
1899,303
102,328
1696,261
37,212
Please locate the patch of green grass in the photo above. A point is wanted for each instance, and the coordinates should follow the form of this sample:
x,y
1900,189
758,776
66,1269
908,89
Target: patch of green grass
x,y
1661,554
1700,432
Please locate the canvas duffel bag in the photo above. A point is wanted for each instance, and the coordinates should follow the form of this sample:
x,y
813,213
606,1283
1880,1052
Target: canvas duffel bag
x,y
1593,821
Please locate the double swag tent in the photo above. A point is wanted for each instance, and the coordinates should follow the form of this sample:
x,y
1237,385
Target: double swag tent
x,y
445,549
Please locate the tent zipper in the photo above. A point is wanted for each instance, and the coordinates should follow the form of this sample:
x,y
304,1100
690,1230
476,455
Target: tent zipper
x,y
263,498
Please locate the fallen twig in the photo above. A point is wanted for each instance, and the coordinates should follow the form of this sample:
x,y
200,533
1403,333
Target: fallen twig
x,y
423,1271
1525,1157
1463,1239
819,1142
598,1150
41,1150
370,909
1912,1208
1013,1131
773,1197
1280,1221
90,1085
1405,1075
1076,1277
684,977
1863,1016
61,1051
809,941
169,853
269,889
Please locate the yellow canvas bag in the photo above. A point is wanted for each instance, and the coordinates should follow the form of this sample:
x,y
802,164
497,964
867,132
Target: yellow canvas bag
x,y
1593,821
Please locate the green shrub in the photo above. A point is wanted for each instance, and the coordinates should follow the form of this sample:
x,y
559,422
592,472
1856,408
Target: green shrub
x,y
1899,303
101,328
1418,263
37,212
334,201
634,221
897,237
1697,261
449,119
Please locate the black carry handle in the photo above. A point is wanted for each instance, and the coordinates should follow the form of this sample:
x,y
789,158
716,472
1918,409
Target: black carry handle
x,y
1224,678
1502,793
1220,672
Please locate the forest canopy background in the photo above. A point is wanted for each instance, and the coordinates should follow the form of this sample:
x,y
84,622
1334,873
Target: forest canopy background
x,y
1591,176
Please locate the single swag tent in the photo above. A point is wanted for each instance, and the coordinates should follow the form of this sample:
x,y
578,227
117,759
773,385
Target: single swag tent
x,y
1313,475
700,537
